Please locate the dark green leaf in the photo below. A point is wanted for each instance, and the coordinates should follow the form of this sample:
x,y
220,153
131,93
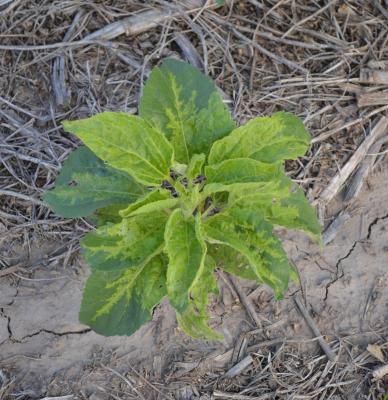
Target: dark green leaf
x,y
184,104
119,302
86,183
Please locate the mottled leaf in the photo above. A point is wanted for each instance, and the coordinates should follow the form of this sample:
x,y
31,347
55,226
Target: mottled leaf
x,y
186,252
247,232
86,183
194,169
232,261
282,202
194,320
269,139
241,170
183,103
119,302
212,123
128,143
149,197
126,244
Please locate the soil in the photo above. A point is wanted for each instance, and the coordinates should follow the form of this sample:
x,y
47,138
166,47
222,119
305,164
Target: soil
x,y
46,352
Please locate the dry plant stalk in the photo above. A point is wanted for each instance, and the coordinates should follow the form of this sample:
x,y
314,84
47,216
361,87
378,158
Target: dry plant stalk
x,y
339,180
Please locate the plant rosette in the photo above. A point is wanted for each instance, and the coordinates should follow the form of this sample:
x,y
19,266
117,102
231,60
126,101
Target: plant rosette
x,y
175,193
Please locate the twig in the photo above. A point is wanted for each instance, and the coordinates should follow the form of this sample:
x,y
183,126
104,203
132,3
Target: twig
x,y
245,301
279,59
362,119
217,394
142,22
310,322
357,180
381,8
126,380
12,270
239,367
338,181
58,71
188,50
331,231
21,196
311,16
67,397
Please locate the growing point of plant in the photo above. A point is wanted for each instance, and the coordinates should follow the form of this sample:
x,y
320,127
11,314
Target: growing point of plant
x,y
176,192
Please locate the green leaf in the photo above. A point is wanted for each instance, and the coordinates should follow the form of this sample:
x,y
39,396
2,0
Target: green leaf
x,y
194,320
156,206
194,169
241,170
184,104
304,218
119,302
128,143
282,202
85,183
269,139
186,252
127,244
247,232
150,197
230,260
211,124
107,214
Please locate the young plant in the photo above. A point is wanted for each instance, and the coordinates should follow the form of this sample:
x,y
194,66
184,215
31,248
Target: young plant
x,y
176,192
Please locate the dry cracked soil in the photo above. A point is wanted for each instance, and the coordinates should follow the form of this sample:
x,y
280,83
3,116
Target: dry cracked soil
x,y
46,351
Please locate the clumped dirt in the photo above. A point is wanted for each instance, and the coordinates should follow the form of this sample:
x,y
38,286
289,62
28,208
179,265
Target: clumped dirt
x,y
265,55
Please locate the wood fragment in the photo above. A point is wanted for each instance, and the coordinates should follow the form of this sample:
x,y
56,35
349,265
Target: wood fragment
x,y
312,325
12,270
144,21
240,348
374,76
331,231
266,343
339,180
360,120
378,64
357,180
381,8
217,394
380,372
372,99
376,352
67,397
58,76
239,367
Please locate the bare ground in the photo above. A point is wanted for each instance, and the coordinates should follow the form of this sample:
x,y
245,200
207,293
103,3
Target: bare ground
x,y
325,62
